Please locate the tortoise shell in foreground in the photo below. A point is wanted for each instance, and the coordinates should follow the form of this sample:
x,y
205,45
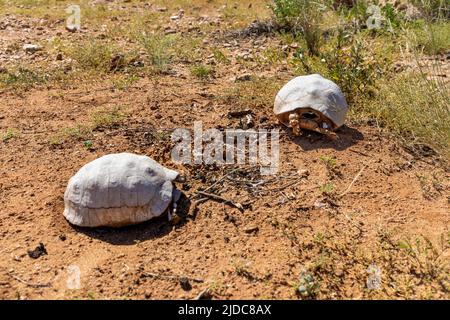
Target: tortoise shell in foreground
x,y
119,189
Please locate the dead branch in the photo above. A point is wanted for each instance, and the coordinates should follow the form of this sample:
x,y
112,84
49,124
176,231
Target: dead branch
x,y
221,179
290,184
33,285
221,199
353,181
204,294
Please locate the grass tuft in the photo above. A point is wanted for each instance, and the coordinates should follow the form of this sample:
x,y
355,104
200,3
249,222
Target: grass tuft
x,y
202,71
107,117
414,108
8,135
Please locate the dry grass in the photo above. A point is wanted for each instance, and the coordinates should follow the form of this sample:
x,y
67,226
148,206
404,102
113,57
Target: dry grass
x,y
414,108
430,38
77,133
107,117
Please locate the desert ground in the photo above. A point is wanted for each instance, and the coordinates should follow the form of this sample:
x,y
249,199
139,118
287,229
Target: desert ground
x,y
374,202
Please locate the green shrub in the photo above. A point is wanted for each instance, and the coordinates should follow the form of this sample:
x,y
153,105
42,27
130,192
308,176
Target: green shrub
x,y
92,55
346,61
159,49
301,16
23,78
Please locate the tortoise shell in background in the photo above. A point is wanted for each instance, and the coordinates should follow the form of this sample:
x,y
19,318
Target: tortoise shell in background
x,y
314,98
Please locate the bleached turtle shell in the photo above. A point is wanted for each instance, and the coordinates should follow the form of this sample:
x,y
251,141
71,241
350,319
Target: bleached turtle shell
x,y
315,92
117,190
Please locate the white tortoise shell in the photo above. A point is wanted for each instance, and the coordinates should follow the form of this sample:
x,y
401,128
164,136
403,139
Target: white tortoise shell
x,y
117,190
314,92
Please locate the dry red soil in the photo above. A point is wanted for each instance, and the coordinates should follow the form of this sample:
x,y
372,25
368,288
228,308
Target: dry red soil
x,y
288,227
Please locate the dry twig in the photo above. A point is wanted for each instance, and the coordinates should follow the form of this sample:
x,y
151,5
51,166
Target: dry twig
x,y
204,294
33,285
222,199
353,181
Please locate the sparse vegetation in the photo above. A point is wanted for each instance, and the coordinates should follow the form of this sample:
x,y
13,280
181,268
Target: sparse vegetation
x,y
8,135
202,71
159,50
22,78
302,16
371,202
126,81
409,265
220,56
415,109
327,188
92,54
254,94
330,162
78,132
107,117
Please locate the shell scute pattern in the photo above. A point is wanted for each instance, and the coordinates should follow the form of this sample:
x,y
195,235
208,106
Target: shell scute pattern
x,y
118,189
311,92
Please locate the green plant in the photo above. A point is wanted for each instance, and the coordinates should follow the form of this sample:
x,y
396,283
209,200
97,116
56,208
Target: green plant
x,y
92,54
432,38
88,144
124,82
8,135
392,17
329,161
23,78
327,188
107,117
202,71
307,286
414,108
424,258
79,132
301,16
351,69
253,94
348,62
220,57
160,50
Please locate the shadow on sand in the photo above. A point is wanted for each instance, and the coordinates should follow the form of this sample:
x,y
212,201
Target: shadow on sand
x,y
347,137
130,235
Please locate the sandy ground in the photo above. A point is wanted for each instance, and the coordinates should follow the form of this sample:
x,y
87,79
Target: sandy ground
x,y
394,212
